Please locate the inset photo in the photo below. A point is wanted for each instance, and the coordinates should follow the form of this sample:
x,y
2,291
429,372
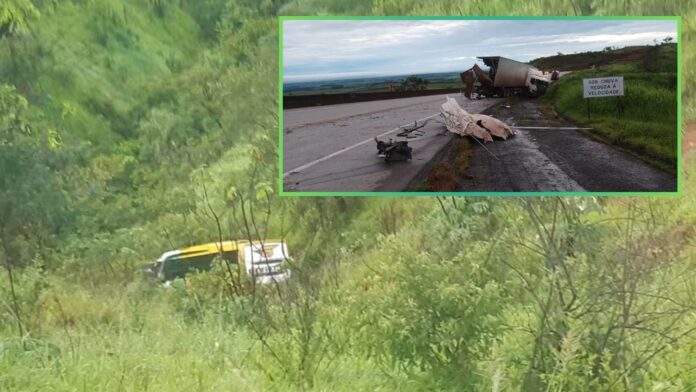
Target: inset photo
x,y
557,106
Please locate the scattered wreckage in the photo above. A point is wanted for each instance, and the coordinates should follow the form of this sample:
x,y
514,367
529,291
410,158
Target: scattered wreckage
x,y
399,150
480,126
505,77
394,150
457,121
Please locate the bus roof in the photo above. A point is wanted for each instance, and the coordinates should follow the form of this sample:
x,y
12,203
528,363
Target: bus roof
x,y
212,248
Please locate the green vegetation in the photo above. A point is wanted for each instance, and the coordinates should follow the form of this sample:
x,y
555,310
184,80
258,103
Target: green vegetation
x,y
128,128
608,56
446,172
433,81
413,83
647,123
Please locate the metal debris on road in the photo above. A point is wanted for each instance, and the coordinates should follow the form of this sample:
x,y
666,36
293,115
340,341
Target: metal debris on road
x,y
393,151
480,126
414,132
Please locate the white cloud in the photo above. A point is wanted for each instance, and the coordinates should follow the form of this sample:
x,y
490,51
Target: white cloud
x,y
341,49
317,41
600,38
459,58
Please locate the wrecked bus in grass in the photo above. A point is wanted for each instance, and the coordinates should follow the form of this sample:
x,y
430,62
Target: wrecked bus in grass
x,y
262,261
504,78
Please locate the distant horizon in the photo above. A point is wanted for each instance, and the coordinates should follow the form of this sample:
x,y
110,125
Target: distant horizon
x,y
370,77
483,66
325,50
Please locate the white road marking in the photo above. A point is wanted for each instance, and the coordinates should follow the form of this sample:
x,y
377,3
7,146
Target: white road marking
x,y
341,151
559,128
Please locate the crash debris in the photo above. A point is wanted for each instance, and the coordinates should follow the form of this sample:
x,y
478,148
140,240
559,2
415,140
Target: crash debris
x,y
393,150
412,132
505,77
400,150
480,126
457,120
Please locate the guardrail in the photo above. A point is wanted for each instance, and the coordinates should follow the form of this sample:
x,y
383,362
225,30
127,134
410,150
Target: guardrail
x,y
300,101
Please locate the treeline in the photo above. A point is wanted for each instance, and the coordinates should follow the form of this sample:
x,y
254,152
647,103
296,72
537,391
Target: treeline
x,y
109,107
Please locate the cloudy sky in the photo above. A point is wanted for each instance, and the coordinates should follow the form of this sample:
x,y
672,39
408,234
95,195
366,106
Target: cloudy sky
x,y
323,50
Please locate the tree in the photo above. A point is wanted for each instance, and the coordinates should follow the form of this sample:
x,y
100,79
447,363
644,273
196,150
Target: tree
x,y
31,203
651,61
14,18
14,15
414,83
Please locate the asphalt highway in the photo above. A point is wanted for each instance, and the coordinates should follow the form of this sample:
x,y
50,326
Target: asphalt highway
x,y
332,149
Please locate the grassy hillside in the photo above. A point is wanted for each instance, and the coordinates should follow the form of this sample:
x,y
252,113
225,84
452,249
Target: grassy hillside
x,y
84,64
630,54
648,123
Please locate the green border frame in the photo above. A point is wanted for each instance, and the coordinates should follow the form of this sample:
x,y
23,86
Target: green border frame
x,y
282,192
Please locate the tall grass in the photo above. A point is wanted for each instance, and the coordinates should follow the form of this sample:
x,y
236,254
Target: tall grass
x,y
644,120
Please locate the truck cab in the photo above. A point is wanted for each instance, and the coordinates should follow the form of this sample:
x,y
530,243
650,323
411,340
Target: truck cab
x,y
505,77
537,83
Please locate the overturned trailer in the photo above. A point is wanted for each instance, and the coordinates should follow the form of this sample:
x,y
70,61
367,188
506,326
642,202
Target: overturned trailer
x,y
504,78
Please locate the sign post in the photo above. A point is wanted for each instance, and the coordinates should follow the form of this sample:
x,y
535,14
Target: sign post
x,y
610,86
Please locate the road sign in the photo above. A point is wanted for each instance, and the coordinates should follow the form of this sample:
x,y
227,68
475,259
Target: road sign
x,y
609,86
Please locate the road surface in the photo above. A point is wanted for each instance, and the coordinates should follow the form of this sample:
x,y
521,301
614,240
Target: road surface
x,y
556,159
331,148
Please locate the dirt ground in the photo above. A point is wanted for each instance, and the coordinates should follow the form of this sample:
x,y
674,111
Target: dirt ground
x,y
553,160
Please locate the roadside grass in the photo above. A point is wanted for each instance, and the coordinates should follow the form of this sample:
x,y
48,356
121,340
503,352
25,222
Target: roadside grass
x,y
446,175
136,339
647,123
